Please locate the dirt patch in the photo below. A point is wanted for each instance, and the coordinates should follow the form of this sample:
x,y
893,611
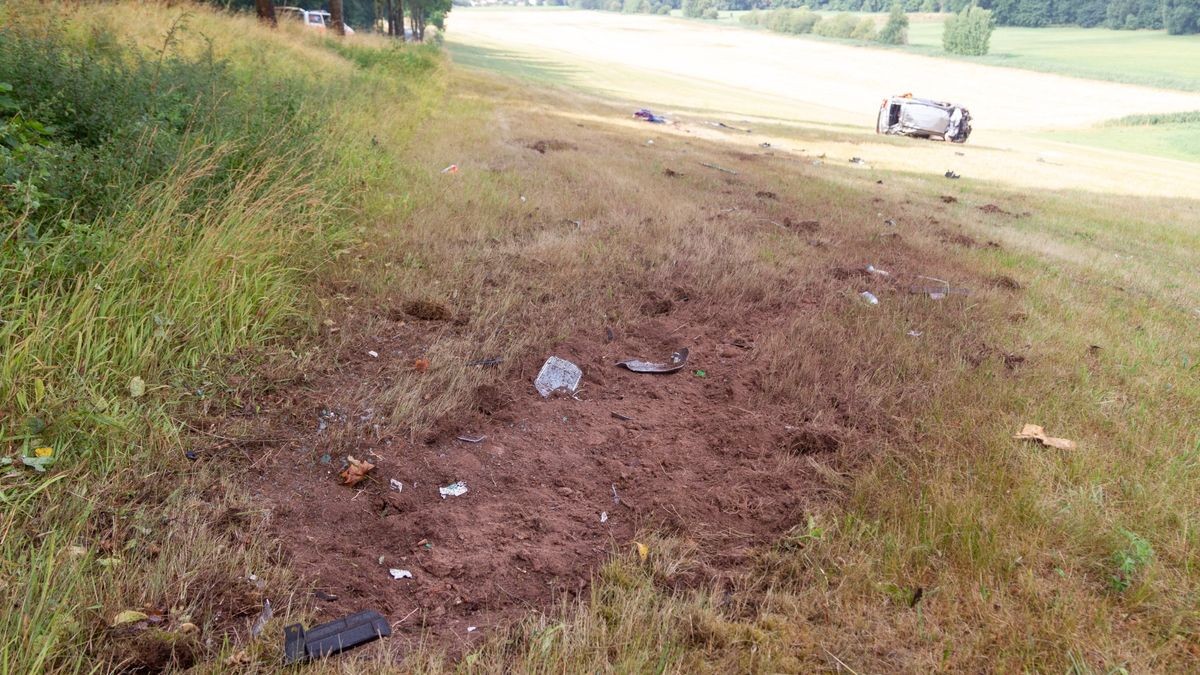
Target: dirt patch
x,y
966,240
544,146
427,310
1007,283
949,199
553,488
992,208
809,226
812,441
671,173
765,194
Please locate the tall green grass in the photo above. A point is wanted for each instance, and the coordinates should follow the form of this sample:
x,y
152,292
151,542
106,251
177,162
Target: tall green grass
x,y
190,177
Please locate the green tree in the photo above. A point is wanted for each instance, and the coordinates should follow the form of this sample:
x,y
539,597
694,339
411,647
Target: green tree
x,y
969,32
895,31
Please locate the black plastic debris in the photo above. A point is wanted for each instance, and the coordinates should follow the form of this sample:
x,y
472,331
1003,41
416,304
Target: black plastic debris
x,y
333,637
678,359
952,175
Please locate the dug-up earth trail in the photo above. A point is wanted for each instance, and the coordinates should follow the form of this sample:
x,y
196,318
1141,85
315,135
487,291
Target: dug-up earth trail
x,y
584,241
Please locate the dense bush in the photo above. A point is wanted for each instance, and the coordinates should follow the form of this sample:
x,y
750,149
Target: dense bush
x,y
968,33
840,26
895,31
93,122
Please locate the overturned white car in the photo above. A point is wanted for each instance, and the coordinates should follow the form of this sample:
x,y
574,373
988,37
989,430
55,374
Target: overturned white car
x,y
923,118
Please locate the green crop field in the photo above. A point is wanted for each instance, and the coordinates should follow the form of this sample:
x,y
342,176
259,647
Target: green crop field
x,y
1150,58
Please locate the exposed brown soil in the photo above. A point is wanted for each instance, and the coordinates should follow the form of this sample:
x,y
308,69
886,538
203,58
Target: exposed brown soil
x,y
691,460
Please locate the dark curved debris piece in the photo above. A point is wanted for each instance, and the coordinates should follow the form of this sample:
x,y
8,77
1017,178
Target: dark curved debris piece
x,y
678,360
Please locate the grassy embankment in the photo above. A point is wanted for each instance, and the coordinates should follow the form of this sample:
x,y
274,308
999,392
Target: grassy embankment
x,y
949,545
954,547
174,180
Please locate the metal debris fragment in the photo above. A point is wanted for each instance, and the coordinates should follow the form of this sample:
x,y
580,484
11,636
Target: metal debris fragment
x,y
677,362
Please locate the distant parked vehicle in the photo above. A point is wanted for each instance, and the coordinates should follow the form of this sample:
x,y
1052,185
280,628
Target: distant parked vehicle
x,y
315,19
923,118
329,21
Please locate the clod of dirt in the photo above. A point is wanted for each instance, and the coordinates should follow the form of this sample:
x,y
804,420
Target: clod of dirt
x,y
765,194
802,225
671,173
1011,361
543,146
812,441
844,273
657,306
157,651
427,310
949,199
489,400
1007,283
992,208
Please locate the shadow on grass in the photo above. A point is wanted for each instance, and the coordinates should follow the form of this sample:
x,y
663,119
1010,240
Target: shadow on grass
x,y
512,63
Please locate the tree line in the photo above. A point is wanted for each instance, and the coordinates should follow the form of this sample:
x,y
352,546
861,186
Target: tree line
x,y
1178,17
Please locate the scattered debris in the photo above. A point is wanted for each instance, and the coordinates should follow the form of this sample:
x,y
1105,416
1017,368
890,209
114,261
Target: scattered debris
x,y
453,490
914,333
333,637
420,365
263,617
718,168
616,498
400,574
643,550
869,297
396,485
191,455
952,175
1033,432
764,144
356,471
453,168
486,363
889,222
949,199
472,439
857,160
678,360
650,142
992,208
700,373
871,269
558,374
326,597
604,516
137,387
471,629
647,115
373,354
671,173
938,292
765,194
623,418
727,126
